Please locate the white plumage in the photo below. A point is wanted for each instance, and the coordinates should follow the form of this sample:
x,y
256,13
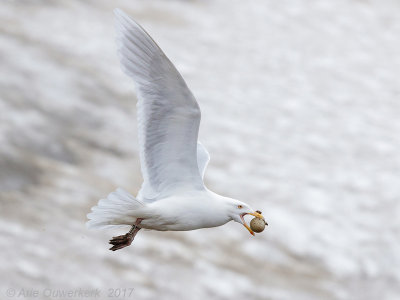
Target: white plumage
x,y
173,162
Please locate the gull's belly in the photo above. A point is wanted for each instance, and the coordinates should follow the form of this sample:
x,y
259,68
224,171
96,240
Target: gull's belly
x,y
183,214
180,223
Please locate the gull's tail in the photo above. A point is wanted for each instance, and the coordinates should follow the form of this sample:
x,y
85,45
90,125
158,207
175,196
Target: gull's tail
x,y
119,209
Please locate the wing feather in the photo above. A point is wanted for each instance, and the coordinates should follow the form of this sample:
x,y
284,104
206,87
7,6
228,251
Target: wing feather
x,y
168,114
203,158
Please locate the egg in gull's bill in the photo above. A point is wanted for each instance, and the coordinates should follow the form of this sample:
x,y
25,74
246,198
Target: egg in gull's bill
x,y
258,224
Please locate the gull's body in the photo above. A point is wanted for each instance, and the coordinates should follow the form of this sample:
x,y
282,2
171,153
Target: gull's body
x,y
186,211
173,162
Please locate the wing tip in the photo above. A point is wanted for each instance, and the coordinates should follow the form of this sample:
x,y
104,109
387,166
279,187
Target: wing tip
x,y
121,15
118,11
124,21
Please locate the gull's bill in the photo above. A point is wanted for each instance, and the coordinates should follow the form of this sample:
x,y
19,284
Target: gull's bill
x,y
255,214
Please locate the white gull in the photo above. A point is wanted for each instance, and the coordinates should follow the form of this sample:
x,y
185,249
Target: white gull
x,y
173,195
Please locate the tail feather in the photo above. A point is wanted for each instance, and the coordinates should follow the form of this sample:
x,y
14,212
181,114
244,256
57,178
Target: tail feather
x,y
117,210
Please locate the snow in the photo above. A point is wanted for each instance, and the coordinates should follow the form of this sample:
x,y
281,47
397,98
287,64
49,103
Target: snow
x,y
300,114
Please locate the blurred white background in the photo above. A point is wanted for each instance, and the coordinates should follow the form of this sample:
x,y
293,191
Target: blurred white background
x,y
300,103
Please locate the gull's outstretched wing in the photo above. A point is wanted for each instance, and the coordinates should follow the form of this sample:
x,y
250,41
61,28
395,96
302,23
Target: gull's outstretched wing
x,y
203,157
168,114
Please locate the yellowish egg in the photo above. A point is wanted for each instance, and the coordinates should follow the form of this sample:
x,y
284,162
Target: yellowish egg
x,y
257,225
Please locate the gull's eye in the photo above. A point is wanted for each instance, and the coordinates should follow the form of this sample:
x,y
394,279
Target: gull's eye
x,y
240,206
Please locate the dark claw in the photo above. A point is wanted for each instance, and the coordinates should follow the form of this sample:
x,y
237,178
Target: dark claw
x,y
120,238
117,247
121,241
125,240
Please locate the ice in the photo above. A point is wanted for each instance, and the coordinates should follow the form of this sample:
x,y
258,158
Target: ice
x,y
300,114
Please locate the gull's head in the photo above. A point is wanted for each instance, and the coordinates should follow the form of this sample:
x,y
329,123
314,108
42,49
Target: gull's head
x,y
239,209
